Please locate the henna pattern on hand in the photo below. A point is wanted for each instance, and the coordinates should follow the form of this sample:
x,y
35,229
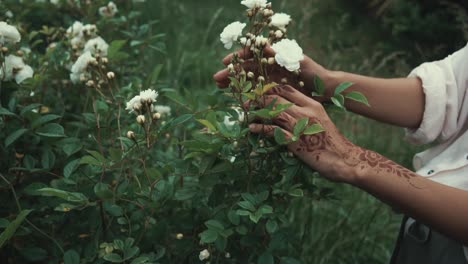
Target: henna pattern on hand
x,y
332,141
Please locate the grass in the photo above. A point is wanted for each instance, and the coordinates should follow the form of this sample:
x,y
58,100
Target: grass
x,y
355,228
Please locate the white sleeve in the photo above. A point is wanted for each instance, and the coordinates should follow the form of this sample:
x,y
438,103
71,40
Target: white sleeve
x,y
445,84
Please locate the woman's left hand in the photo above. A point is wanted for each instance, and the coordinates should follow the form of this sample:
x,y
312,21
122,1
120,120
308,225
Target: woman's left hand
x,y
328,152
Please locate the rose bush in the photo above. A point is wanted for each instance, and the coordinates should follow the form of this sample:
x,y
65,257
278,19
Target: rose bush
x,y
100,164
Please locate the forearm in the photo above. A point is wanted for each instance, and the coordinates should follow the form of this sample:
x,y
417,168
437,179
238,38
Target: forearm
x,y
395,101
442,207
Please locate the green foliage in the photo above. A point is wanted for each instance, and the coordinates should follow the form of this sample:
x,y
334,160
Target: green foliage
x,y
203,183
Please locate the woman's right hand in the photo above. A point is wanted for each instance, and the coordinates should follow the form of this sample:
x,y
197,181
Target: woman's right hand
x,y
309,69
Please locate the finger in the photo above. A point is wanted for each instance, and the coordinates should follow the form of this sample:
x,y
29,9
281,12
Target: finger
x,y
293,95
286,121
222,76
268,130
268,100
246,54
269,52
222,85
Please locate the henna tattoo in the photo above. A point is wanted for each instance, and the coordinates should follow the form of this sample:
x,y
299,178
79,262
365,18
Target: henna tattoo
x,y
333,142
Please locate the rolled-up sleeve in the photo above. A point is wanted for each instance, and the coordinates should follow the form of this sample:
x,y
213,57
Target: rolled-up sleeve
x,y
444,84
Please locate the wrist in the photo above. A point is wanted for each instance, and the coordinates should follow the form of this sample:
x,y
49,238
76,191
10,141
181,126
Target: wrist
x,y
331,80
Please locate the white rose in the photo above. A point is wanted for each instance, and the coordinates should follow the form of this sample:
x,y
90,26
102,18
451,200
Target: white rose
x,y
227,119
134,104
288,54
8,34
15,68
251,4
108,11
148,96
231,33
82,62
162,109
280,20
205,254
75,30
25,73
80,66
97,46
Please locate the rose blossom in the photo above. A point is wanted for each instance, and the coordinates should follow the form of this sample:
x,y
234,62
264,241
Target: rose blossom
x,y
8,33
251,4
288,54
280,20
231,33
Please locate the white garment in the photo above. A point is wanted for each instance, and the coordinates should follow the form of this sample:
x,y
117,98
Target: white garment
x,y
445,85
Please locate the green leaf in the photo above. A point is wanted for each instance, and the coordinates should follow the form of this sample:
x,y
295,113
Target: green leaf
x,y
115,47
90,161
4,111
266,209
263,196
130,252
207,124
249,197
52,130
74,197
319,86
29,162
155,75
12,227
215,225
44,119
65,207
300,126
114,210
178,121
280,137
296,193
314,129
242,212
255,217
29,108
103,191
98,156
114,258
358,97
14,136
140,260
269,113
242,230
233,218
266,258
338,100
208,236
247,205
71,257
72,148
342,87
247,87
47,159
271,226
70,168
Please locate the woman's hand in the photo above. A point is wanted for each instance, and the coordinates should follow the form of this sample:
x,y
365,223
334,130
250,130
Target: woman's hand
x,y
328,152
276,73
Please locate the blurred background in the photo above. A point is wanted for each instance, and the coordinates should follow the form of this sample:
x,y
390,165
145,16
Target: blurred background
x,y
384,38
